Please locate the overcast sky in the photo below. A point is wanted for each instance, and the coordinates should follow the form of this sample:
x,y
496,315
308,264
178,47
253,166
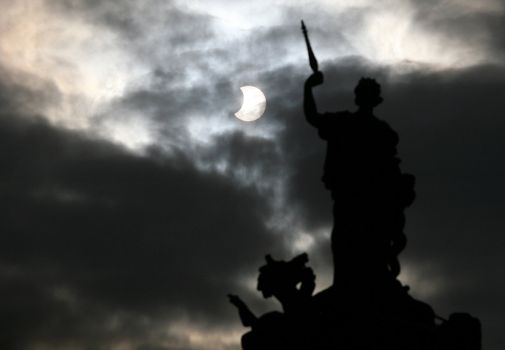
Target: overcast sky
x,y
133,200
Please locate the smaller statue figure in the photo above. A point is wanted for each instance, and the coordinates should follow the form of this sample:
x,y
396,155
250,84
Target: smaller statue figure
x,y
292,283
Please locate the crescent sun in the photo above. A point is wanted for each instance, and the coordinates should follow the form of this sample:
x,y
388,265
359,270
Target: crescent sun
x,y
253,104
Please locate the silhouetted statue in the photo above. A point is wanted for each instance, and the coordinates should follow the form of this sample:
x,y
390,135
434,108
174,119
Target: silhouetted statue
x,y
367,307
292,284
362,172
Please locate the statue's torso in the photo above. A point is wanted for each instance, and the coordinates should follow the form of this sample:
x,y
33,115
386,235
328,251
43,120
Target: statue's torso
x,y
358,147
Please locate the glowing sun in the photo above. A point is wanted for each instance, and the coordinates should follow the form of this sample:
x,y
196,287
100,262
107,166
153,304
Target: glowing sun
x,y
253,105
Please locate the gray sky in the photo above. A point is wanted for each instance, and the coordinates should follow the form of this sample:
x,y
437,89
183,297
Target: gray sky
x,y
133,200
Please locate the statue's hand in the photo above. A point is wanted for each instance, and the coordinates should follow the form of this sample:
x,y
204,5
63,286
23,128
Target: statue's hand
x,y
315,79
235,300
246,316
308,280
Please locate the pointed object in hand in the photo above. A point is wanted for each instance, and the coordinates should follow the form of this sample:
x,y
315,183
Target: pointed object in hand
x,y
312,57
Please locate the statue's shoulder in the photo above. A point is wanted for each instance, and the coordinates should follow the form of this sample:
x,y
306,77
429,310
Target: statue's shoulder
x,y
384,125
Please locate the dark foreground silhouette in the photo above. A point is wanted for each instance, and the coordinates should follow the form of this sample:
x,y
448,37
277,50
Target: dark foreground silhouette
x,y
367,307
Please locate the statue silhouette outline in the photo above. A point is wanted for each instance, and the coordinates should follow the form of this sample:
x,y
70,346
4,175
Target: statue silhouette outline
x,y
367,307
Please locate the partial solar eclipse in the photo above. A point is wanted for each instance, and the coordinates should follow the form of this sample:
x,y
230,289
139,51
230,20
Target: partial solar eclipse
x,y
253,105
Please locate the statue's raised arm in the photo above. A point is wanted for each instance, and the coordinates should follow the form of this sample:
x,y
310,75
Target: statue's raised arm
x,y
246,315
312,116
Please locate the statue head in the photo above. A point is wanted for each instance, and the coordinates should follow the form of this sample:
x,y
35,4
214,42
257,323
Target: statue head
x,y
279,276
367,93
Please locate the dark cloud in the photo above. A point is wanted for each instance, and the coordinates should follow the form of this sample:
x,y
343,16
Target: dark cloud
x,y
87,226
455,149
478,30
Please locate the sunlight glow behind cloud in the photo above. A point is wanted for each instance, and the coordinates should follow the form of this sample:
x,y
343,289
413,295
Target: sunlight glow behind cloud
x,y
84,62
